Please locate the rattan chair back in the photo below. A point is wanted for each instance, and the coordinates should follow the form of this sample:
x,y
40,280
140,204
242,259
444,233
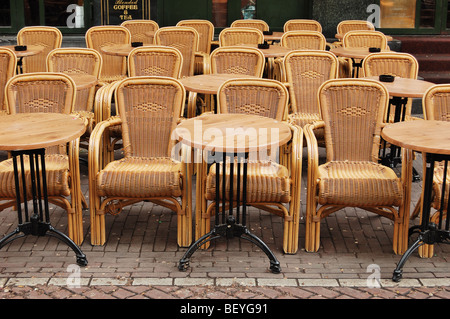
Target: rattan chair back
x,y
238,60
353,112
8,62
306,71
302,25
250,23
77,61
48,92
141,30
240,36
155,61
41,92
354,25
47,37
150,108
205,31
436,103
262,97
114,67
304,40
436,106
185,39
365,39
399,64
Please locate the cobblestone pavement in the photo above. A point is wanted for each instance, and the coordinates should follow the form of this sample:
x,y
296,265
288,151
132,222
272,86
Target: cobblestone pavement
x,y
140,258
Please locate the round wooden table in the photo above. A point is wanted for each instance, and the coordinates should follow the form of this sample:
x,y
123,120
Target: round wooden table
x,y
117,49
354,54
205,84
403,87
400,91
84,81
275,36
236,136
28,134
30,51
433,139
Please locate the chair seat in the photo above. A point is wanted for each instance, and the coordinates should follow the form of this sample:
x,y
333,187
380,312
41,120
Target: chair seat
x,y
136,177
266,182
358,184
57,174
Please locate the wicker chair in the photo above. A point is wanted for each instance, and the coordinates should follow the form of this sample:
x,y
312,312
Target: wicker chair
x,y
306,71
238,60
155,61
270,185
436,106
149,109
352,113
360,39
304,40
205,31
79,61
354,25
365,39
114,68
250,23
8,63
140,28
302,25
240,36
298,40
184,39
393,63
48,92
48,37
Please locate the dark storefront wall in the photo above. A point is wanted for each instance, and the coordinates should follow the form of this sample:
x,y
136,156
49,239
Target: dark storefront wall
x,y
275,13
431,16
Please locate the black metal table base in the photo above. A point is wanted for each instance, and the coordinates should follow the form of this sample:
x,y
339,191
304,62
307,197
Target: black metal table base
x,y
38,224
38,228
429,233
393,157
234,223
230,230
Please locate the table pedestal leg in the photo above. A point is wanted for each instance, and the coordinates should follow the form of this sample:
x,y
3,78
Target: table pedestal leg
x,y
393,158
429,233
38,224
232,225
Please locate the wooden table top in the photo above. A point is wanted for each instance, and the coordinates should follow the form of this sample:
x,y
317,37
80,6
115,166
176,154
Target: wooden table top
x,y
209,83
31,50
232,132
356,53
26,131
421,136
403,87
274,51
276,36
84,81
117,49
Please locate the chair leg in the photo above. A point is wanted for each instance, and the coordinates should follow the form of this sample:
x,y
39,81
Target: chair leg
x,y
312,236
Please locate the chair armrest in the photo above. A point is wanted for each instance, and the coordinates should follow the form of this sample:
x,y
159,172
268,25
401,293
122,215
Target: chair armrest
x,y
96,140
313,152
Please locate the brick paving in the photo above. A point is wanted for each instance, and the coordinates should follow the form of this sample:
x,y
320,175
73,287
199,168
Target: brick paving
x,y
139,260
